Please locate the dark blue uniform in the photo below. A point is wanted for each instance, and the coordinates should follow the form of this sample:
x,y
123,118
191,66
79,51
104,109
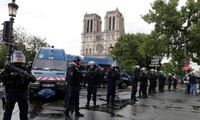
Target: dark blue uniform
x,y
74,78
92,78
16,86
135,78
112,75
161,81
143,84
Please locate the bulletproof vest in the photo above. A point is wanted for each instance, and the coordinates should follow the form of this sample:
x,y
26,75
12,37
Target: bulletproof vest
x,y
15,82
92,76
112,75
74,76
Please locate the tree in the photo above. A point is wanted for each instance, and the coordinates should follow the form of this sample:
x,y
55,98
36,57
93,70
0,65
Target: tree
x,y
24,42
172,26
129,50
27,43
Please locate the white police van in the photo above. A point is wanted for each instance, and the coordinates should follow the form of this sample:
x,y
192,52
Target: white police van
x,y
49,68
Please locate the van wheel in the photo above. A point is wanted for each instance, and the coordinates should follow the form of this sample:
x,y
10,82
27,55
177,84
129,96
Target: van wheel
x,y
123,85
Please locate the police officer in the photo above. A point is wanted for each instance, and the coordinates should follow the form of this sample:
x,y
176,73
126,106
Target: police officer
x,y
169,81
16,86
135,74
92,79
112,76
161,81
154,82
29,65
67,89
151,81
143,83
74,77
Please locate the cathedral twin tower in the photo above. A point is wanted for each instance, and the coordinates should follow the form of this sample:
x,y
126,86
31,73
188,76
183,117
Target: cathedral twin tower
x,y
96,42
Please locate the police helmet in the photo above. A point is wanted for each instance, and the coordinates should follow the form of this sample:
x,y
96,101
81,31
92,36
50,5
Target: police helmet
x,y
143,69
18,57
113,65
152,70
91,63
77,58
30,62
136,67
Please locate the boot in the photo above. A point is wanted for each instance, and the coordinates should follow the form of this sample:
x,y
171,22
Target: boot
x,y
95,105
78,114
67,117
87,105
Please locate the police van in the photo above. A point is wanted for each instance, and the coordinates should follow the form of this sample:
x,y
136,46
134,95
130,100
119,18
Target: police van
x,y
125,79
49,68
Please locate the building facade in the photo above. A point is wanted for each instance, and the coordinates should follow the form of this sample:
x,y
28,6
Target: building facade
x,y
96,42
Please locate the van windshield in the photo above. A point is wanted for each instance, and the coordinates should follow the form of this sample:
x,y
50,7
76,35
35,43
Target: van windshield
x,y
51,54
45,64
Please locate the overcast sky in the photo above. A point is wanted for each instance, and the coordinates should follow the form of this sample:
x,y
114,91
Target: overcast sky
x,y
61,21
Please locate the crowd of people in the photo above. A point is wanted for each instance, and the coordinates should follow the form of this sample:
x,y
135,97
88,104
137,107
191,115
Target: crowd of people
x,y
144,83
190,82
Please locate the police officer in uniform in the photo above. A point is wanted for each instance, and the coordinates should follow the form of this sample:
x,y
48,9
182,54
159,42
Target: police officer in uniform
x,y
29,65
16,86
112,76
169,81
92,79
74,77
143,82
135,74
161,81
151,81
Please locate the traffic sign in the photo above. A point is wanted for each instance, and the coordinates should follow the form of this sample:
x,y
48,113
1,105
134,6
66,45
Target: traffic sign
x,y
186,67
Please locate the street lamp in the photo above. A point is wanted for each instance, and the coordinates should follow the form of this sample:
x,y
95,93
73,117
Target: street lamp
x,y
12,9
110,50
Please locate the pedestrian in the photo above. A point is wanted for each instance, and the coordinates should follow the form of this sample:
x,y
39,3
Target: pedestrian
x,y
193,82
74,77
112,76
16,87
92,79
186,83
135,76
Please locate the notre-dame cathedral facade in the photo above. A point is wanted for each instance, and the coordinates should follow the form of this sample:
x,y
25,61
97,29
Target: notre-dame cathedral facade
x,y
96,42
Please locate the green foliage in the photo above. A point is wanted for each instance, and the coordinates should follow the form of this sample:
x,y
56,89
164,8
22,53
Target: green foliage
x,y
176,28
130,50
24,42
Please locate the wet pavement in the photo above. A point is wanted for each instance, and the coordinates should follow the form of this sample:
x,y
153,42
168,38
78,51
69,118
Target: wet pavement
x,y
170,105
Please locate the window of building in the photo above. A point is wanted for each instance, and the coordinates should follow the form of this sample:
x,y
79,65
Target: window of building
x,y
97,26
113,27
86,51
91,26
90,51
88,22
109,24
